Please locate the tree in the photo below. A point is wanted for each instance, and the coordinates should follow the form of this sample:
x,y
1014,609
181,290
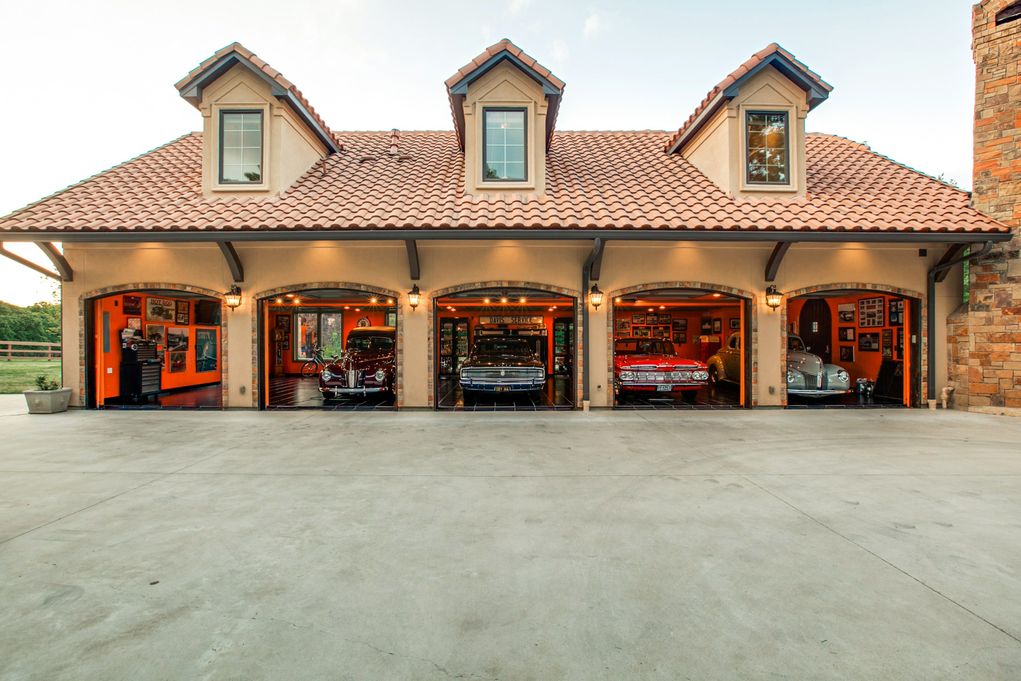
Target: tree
x,y
39,322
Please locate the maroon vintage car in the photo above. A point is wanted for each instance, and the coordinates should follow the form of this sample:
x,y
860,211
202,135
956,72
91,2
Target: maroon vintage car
x,y
645,365
368,365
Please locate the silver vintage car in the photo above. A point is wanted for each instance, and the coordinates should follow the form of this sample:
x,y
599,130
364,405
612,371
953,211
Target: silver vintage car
x,y
808,376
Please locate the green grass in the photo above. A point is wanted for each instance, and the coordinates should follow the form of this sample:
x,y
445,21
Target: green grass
x,y
19,374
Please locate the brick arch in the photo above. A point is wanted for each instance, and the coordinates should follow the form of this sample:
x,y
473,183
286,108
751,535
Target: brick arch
x,y
350,286
85,298
917,296
701,285
473,286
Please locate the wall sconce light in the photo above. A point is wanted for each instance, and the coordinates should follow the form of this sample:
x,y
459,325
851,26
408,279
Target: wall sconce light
x,y
773,297
595,296
233,297
414,297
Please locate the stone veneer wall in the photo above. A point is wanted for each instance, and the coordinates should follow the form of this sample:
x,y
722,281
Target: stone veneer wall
x,y
984,341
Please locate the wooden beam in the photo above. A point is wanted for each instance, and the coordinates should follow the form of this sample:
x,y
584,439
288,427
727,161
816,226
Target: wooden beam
x,y
775,258
595,259
230,254
414,267
57,258
952,252
28,263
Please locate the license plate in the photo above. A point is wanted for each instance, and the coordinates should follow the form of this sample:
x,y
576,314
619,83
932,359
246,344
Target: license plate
x,y
664,388
502,388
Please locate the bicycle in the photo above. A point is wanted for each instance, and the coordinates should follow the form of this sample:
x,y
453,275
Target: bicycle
x,y
315,365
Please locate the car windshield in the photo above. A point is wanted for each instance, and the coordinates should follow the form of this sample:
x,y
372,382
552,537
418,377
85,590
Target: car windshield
x,y
491,347
795,344
641,346
362,342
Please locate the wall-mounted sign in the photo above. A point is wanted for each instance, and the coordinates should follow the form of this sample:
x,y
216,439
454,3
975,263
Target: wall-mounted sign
x,y
160,309
510,320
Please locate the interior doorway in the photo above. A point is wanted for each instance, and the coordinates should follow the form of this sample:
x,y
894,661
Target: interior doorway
x,y
505,349
328,349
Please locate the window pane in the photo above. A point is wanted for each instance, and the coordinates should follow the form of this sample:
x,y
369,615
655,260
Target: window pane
x,y
767,148
231,121
504,153
306,334
332,333
241,147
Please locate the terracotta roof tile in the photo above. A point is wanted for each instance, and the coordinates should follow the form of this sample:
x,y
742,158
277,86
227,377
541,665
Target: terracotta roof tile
x,y
596,180
735,75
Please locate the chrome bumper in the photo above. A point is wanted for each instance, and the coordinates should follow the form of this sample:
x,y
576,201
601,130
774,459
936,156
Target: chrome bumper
x,y
818,392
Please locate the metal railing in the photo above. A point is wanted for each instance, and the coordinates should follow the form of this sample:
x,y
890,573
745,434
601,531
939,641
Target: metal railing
x,y
28,350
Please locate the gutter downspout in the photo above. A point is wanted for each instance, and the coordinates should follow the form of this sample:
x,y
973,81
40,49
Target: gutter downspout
x,y
586,270
930,312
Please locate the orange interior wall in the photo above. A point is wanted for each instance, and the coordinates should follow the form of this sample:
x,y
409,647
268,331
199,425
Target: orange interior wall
x,y
866,364
377,317
108,364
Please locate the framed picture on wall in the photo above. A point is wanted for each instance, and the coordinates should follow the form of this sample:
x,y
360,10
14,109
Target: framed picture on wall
x,y
160,309
717,325
641,333
846,334
896,313
680,338
133,305
870,313
284,322
205,350
707,326
899,343
846,353
391,319
845,313
178,361
887,343
735,323
183,312
638,319
157,333
134,323
868,342
680,324
624,328
177,339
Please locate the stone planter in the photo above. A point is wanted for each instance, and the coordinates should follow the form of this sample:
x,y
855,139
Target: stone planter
x,y
47,401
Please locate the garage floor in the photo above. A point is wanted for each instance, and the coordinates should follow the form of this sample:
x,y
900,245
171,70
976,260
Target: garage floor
x,y
603,545
557,394
296,392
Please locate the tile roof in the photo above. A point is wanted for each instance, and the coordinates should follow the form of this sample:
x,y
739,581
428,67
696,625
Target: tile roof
x,y
711,101
496,49
266,69
595,180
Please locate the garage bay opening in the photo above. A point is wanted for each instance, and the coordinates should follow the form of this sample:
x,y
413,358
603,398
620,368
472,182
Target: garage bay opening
x,y
505,349
853,348
328,349
680,348
152,349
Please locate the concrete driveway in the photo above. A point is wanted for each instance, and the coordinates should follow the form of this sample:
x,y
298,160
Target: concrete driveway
x,y
630,545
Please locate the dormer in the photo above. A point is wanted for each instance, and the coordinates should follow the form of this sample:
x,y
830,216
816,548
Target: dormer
x,y
505,107
259,134
748,134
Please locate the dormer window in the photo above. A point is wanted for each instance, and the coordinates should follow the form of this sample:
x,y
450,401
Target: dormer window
x,y
241,147
504,146
768,141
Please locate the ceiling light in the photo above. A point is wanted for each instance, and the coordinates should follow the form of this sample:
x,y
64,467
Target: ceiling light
x,y
290,295
278,301
347,307
373,300
297,301
389,301
716,295
486,301
662,307
522,299
503,299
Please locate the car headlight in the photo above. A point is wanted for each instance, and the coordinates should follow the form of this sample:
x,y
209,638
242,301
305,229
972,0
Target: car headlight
x,y
843,376
327,375
380,375
792,376
627,375
700,375
684,375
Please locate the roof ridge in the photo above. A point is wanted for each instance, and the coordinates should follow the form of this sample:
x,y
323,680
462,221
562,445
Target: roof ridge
x,y
99,174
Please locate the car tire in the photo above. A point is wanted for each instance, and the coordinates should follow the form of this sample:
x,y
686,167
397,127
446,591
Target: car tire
x,y
714,375
470,397
689,396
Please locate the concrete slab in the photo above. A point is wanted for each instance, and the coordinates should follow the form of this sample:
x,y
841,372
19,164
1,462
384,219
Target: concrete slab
x,y
638,545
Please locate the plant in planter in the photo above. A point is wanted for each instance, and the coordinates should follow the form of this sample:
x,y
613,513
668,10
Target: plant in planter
x,y
48,397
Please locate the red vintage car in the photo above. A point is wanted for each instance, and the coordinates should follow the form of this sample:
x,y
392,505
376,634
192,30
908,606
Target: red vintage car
x,y
647,365
368,365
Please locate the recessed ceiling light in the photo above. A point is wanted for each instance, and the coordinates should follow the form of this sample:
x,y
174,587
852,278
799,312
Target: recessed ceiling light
x,y
290,295
373,300
651,309
347,307
297,301
716,295
279,300
522,299
358,309
389,301
662,307
504,299
486,301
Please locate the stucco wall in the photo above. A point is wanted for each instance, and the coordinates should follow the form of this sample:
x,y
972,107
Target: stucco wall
x,y
450,264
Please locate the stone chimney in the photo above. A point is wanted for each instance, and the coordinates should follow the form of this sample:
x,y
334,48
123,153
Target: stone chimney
x,y
985,337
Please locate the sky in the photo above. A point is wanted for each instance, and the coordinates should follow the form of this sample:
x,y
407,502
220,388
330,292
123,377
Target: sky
x,y
91,84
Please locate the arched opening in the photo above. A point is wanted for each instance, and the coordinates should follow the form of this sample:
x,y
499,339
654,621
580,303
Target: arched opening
x,y
155,347
328,346
1009,14
505,346
682,345
850,345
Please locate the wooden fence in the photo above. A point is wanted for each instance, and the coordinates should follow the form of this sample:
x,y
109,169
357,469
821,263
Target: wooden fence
x,y
29,350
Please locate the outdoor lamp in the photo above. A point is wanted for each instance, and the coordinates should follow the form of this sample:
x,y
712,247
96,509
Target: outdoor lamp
x,y
414,297
595,296
233,297
773,297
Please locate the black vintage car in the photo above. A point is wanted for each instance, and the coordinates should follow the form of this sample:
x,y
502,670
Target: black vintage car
x,y
502,364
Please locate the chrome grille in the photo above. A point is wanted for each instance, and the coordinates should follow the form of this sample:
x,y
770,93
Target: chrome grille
x,y
662,376
351,377
502,374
